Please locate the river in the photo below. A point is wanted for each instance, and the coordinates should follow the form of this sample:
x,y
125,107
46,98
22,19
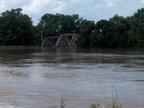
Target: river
x,y
41,78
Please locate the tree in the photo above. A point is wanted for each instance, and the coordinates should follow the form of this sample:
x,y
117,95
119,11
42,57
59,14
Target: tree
x,y
112,33
103,35
137,29
56,24
121,27
86,29
16,28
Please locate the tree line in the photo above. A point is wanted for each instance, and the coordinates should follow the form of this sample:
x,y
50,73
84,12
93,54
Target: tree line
x,y
17,29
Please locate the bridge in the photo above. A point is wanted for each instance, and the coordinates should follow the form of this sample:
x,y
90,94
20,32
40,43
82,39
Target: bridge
x,y
64,40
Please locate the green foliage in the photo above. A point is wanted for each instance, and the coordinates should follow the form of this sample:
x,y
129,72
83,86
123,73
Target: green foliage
x,y
62,102
56,24
94,105
117,105
102,37
16,28
137,29
86,30
117,32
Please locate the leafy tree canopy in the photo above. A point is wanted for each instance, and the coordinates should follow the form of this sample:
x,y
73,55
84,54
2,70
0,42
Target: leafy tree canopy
x,y
16,28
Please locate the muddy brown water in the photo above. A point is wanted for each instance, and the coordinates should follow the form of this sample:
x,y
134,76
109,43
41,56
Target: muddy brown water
x,y
40,78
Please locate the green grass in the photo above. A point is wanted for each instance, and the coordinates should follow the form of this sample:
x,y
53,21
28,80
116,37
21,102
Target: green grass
x,y
62,102
117,105
114,104
94,105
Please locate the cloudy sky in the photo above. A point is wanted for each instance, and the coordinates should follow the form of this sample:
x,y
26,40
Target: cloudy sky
x,y
90,9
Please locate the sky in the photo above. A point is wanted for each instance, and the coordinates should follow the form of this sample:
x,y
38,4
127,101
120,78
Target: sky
x,y
89,9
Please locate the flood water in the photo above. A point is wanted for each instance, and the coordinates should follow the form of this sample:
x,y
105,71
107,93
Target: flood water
x,y
41,78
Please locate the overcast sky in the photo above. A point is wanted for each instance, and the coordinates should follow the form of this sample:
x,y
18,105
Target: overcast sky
x,y
90,9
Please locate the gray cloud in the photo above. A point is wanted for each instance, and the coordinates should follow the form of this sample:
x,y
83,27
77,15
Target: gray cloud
x,y
91,9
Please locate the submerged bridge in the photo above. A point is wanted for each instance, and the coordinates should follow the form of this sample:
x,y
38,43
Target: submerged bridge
x,y
64,40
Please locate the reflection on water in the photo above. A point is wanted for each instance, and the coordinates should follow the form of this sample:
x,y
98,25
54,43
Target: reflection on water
x,y
38,77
